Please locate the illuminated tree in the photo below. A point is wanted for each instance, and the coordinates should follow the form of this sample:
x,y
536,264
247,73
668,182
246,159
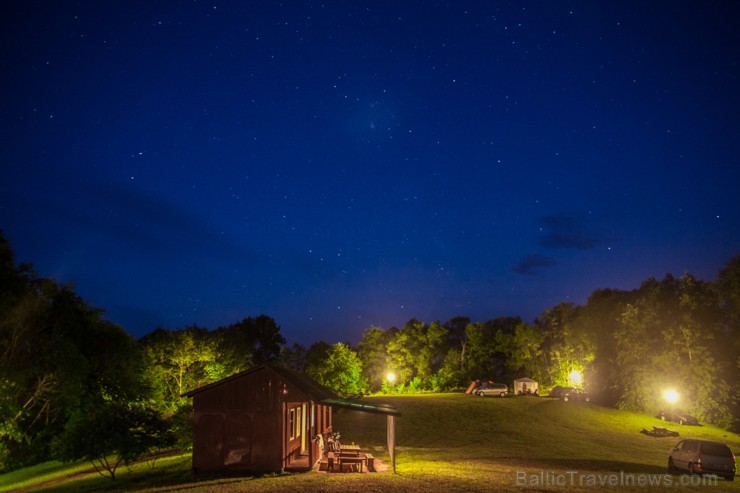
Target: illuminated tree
x,y
372,352
566,346
181,360
481,350
415,352
340,371
523,351
671,332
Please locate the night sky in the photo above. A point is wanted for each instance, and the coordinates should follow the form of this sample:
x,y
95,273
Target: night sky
x,y
337,165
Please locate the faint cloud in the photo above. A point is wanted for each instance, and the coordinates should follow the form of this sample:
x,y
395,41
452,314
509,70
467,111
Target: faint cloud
x,y
531,265
568,232
138,221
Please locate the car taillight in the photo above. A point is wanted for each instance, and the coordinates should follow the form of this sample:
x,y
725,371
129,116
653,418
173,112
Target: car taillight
x,y
698,459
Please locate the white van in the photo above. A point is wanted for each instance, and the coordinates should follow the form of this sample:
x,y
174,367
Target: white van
x,y
497,389
701,457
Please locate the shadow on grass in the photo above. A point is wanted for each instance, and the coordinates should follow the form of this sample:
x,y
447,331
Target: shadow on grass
x,y
184,480
166,477
594,465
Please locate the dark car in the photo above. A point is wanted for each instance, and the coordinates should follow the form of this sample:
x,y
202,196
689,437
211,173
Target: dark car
x,y
575,395
702,456
558,391
679,417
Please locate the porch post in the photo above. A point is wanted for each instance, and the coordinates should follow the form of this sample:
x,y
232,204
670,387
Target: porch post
x,y
391,435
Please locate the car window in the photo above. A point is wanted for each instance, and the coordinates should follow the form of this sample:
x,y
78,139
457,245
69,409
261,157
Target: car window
x,y
687,445
716,449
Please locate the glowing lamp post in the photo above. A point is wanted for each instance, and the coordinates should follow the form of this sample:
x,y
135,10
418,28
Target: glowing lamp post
x,y
575,377
671,396
391,377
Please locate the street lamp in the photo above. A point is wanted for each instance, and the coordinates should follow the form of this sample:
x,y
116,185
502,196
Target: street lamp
x,y
391,377
575,377
671,396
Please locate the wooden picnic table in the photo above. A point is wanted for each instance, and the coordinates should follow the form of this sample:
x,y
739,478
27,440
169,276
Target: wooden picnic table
x,y
348,454
350,449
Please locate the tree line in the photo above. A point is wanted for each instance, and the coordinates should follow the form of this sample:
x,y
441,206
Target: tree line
x,y
630,346
73,385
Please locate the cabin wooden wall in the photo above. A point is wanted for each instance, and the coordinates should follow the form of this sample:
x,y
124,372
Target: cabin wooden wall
x,y
243,424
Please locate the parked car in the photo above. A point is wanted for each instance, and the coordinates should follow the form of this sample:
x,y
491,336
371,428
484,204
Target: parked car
x,y
496,389
573,394
557,391
679,417
702,456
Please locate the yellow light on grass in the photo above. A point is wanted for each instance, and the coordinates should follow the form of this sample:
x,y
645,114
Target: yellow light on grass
x,y
671,396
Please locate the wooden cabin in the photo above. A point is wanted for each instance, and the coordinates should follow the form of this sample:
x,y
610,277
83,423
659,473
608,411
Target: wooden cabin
x,y
260,420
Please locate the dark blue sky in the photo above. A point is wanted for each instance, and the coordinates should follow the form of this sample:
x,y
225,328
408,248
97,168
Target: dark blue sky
x,y
341,164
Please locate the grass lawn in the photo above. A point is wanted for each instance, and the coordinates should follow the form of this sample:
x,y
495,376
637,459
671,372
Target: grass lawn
x,y
451,443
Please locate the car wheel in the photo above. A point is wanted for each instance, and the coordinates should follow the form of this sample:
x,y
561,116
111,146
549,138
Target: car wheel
x,y
481,394
681,421
503,394
692,471
565,398
671,467
588,399
730,477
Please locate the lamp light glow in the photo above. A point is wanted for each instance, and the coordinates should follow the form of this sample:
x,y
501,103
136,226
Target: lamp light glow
x,y
391,377
575,377
671,396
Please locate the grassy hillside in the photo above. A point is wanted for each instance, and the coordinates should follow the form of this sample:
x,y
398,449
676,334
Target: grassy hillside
x,y
459,443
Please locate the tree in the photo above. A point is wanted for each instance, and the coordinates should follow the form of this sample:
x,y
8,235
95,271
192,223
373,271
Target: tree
x,y
340,371
317,354
250,342
522,349
566,347
56,351
181,360
669,332
372,352
294,357
457,338
728,290
486,348
415,352
109,433
481,351
600,318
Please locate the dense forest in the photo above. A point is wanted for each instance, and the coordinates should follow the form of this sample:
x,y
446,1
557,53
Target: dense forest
x,y
73,385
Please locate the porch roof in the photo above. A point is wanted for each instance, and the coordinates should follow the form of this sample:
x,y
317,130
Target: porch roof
x,y
356,405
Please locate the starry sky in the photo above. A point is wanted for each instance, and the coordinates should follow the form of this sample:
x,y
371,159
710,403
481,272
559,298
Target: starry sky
x,y
342,164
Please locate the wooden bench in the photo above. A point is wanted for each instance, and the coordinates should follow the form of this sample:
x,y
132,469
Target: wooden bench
x,y
360,459
370,461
